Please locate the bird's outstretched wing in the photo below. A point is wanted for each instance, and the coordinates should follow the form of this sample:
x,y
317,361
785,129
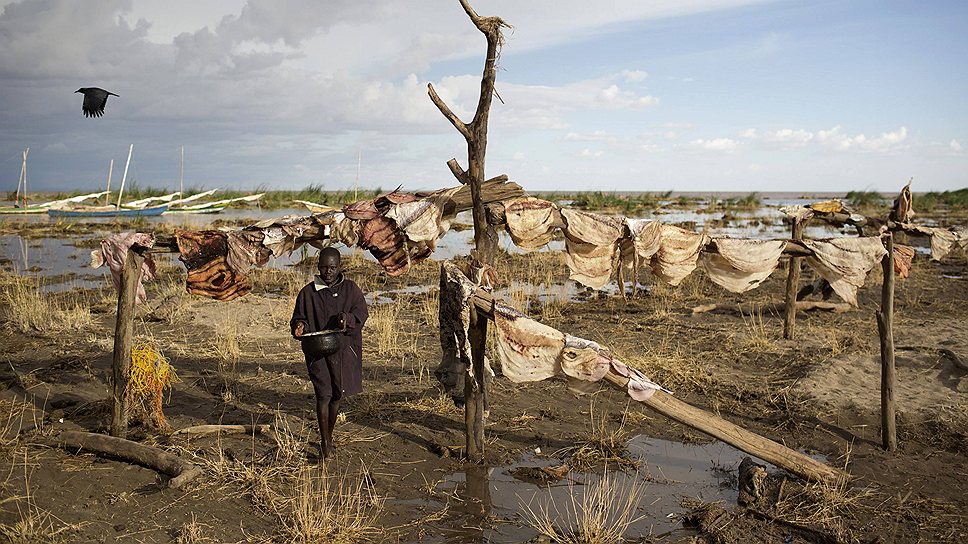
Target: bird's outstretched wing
x,y
94,101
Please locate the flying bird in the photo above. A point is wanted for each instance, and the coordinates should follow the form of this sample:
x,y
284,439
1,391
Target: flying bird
x,y
94,100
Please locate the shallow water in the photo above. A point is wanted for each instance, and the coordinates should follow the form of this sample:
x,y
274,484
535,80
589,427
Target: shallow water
x,y
669,472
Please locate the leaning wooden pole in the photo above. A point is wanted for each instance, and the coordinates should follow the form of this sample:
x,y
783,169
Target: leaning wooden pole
x,y
711,424
485,237
123,331
885,329
793,281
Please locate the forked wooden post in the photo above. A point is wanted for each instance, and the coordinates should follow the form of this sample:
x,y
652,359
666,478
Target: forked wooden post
x,y
885,329
485,237
793,281
123,330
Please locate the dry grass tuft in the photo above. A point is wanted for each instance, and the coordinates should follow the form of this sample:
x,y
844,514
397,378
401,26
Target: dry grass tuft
x,y
604,444
30,309
227,333
332,509
386,330
824,505
191,533
600,513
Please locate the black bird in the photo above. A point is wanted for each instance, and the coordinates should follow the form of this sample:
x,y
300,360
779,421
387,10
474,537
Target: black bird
x,y
94,100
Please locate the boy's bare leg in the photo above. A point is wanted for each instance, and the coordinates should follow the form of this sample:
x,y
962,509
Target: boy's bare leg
x,y
325,431
333,414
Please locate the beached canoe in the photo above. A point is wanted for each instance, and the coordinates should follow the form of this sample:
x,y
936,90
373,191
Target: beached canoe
x,y
107,211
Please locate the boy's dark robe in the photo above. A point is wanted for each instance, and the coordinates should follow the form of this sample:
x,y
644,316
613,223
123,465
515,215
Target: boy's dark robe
x,y
320,310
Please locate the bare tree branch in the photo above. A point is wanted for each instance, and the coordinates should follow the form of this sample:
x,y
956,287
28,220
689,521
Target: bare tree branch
x,y
458,172
454,120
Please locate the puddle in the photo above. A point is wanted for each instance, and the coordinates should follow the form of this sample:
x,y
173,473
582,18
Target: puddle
x,y
669,472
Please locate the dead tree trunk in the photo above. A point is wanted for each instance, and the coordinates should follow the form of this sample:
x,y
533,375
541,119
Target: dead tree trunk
x,y
485,237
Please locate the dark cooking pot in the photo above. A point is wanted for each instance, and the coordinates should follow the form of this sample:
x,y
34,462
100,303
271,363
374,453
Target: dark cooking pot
x,y
320,344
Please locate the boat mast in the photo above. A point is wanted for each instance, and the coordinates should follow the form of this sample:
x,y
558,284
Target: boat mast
x,y
107,195
23,179
359,164
125,176
181,182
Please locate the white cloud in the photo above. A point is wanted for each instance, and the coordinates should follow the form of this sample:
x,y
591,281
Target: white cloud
x,y
955,146
634,76
717,144
518,156
590,154
595,136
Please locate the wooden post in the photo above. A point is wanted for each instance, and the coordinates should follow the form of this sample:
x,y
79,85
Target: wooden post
x,y
123,331
793,281
885,329
485,237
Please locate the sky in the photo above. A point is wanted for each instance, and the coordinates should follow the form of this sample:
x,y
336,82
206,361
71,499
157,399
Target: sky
x,y
612,95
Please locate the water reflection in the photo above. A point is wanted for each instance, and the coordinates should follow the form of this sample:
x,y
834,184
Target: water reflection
x,y
668,473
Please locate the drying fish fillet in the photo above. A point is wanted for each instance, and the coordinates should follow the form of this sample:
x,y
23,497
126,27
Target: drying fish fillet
x,y
114,253
903,256
528,350
678,253
641,236
591,228
590,241
387,243
582,359
797,212
828,206
942,241
590,265
421,220
346,231
640,387
741,265
531,221
453,314
845,262
361,210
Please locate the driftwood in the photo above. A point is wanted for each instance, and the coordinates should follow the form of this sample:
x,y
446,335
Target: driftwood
x,y
204,430
180,470
711,424
773,307
954,358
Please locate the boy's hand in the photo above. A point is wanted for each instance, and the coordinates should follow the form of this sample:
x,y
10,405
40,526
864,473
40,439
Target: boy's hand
x,y
300,327
342,321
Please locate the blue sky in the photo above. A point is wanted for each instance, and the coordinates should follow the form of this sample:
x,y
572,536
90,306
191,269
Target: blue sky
x,y
697,95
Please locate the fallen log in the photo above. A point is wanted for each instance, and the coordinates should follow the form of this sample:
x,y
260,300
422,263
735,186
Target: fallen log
x,y
180,470
204,430
711,424
802,306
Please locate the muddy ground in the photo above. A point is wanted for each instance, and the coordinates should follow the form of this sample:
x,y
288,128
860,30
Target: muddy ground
x,y
398,474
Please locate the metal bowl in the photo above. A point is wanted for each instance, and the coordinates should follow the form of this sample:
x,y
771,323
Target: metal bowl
x,y
317,345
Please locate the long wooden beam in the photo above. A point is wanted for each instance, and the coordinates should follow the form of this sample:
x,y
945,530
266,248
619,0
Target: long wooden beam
x,y
711,424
